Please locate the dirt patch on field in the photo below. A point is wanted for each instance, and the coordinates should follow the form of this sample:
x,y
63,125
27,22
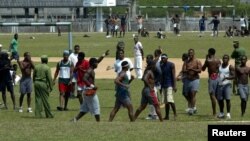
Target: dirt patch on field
x,y
102,73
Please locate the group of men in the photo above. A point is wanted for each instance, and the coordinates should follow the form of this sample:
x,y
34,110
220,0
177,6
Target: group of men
x,y
219,82
159,80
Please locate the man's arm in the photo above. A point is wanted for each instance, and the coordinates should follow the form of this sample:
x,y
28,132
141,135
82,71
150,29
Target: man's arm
x,y
233,55
174,80
49,79
232,73
142,53
56,72
103,55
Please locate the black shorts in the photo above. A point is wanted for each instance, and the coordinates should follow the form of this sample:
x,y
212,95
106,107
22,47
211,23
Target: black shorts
x,y
8,85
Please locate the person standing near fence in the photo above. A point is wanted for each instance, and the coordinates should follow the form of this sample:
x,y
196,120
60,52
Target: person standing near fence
x,y
176,24
215,23
139,20
202,25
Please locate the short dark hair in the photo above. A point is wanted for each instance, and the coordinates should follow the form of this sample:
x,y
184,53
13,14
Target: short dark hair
x,y
92,61
81,54
212,51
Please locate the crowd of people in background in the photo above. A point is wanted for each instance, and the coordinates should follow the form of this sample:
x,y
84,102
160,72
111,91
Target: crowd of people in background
x,y
75,73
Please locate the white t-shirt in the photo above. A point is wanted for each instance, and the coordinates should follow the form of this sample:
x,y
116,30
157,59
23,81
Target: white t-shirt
x,y
242,22
73,58
137,48
118,66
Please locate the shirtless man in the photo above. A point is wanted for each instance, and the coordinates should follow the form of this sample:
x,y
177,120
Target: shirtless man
x,y
148,93
192,68
26,66
242,74
212,64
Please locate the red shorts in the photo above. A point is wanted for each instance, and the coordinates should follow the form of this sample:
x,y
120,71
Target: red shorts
x,y
64,88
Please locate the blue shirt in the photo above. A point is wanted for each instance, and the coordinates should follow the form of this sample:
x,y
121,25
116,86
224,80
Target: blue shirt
x,y
167,76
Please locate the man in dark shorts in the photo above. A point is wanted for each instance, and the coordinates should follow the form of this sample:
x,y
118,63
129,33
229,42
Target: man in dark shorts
x,y
242,74
215,23
148,92
212,64
26,67
6,80
122,82
192,68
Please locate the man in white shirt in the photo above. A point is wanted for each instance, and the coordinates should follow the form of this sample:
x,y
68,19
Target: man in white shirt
x,y
138,57
118,67
73,57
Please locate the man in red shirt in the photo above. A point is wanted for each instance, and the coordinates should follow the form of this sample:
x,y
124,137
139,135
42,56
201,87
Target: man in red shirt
x,y
81,67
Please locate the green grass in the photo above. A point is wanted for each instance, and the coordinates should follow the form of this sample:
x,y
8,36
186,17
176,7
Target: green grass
x,y
94,46
24,126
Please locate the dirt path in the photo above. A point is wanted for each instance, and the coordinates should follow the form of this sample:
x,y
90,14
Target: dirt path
x,y
102,73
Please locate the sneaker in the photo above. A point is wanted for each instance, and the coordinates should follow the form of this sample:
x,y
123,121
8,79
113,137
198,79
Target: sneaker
x,y
228,116
29,110
149,117
59,108
195,110
221,115
187,110
155,117
20,110
73,120
191,111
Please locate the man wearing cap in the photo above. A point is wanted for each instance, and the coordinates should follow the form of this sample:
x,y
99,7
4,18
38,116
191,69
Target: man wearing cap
x,y
43,86
138,57
65,70
237,54
168,84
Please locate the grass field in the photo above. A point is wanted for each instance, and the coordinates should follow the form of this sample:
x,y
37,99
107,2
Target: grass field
x,y
96,44
24,126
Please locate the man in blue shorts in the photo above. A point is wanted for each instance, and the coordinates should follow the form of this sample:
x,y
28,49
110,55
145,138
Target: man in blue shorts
x,y
192,68
212,64
226,74
242,73
26,67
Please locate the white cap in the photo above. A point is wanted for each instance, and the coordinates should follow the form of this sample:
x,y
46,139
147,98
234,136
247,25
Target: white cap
x,y
1,45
